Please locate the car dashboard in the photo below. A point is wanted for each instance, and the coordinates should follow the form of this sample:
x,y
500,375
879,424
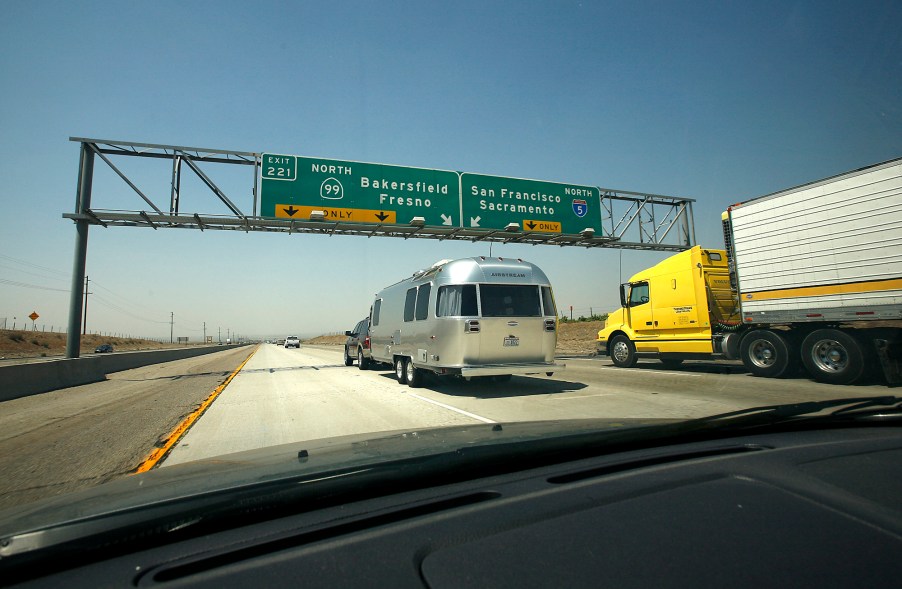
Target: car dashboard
x,y
813,507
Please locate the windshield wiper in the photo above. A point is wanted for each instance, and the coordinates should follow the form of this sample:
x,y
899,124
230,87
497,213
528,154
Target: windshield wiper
x,y
885,407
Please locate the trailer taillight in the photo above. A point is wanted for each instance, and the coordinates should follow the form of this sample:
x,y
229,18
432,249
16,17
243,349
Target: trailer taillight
x,y
471,326
549,324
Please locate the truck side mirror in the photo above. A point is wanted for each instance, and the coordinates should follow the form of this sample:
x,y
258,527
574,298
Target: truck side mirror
x,y
624,290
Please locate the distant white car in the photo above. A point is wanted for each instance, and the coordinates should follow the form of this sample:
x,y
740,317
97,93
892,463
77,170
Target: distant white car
x,y
292,341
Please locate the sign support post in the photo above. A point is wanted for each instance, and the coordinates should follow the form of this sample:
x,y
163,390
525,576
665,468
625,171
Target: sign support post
x,y
82,207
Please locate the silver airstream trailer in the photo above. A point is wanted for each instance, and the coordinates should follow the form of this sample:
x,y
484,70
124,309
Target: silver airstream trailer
x,y
470,317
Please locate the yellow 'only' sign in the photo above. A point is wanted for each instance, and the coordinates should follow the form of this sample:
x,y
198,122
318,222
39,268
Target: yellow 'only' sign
x,y
336,214
541,226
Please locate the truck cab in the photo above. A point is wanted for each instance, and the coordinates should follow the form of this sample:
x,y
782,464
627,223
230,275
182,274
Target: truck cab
x,y
681,308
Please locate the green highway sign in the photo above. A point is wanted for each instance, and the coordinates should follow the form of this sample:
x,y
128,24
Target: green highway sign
x,y
292,187
494,202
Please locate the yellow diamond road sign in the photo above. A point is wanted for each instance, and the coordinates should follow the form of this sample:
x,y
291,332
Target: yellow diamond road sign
x,y
34,316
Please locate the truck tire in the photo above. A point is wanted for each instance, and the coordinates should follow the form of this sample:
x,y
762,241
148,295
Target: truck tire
x,y
362,362
414,374
400,370
348,360
623,352
766,353
833,356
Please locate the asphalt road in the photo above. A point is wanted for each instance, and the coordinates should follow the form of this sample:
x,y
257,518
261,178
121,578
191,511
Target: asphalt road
x,y
82,436
78,437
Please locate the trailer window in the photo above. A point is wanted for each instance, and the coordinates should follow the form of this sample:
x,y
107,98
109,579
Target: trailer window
x,y
458,300
548,302
377,306
410,304
508,300
423,302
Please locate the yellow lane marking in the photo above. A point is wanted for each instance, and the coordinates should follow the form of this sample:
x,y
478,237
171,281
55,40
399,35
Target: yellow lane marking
x,y
172,439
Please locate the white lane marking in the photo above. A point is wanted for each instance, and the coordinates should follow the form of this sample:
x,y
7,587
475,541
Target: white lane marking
x,y
652,371
449,407
582,397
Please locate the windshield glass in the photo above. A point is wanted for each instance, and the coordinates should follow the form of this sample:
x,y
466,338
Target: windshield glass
x,y
440,201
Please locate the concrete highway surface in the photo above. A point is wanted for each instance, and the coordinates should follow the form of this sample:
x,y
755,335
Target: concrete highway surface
x,y
295,395
82,436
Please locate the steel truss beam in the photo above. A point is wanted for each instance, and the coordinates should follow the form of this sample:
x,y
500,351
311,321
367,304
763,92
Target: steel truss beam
x,y
246,224
630,220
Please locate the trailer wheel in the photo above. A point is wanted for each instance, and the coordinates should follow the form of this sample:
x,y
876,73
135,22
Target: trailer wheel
x,y
765,353
833,356
623,352
362,363
348,360
414,375
400,372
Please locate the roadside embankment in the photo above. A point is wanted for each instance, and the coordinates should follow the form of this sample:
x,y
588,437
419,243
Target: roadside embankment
x,y
22,380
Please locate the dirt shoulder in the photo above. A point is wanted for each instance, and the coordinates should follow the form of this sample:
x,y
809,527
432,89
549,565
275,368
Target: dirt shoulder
x,y
572,338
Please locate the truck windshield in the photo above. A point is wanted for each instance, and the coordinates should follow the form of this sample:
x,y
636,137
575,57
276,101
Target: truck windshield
x,y
508,300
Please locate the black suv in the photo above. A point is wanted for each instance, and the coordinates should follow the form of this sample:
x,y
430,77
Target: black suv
x,y
358,345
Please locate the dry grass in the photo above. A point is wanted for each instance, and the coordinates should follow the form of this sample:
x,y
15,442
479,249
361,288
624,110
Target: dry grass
x,y
30,344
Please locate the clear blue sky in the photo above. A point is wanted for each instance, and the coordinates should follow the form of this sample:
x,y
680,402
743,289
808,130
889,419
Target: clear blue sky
x,y
716,101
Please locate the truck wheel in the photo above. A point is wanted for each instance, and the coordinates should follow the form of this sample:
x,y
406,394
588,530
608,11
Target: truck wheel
x,y
414,375
833,356
400,372
348,360
362,362
623,352
765,353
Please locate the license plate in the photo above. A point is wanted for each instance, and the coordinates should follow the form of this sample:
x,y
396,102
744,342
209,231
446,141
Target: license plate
x,y
510,342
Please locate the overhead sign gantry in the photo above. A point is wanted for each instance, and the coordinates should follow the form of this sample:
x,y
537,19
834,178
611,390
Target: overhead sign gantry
x,y
297,194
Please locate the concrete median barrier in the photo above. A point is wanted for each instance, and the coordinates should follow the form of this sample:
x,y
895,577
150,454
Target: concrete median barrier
x,y
22,380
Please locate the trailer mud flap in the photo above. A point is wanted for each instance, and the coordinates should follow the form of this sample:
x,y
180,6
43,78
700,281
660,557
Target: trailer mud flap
x,y
890,354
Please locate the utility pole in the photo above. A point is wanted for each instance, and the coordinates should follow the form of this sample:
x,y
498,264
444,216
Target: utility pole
x,y
171,324
85,327
220,334
205,332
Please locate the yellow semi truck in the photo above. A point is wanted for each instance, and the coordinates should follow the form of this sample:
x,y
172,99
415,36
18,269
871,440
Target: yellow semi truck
x,y
811,275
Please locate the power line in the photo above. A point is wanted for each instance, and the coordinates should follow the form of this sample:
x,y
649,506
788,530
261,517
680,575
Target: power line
x,y
35,286
115,307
